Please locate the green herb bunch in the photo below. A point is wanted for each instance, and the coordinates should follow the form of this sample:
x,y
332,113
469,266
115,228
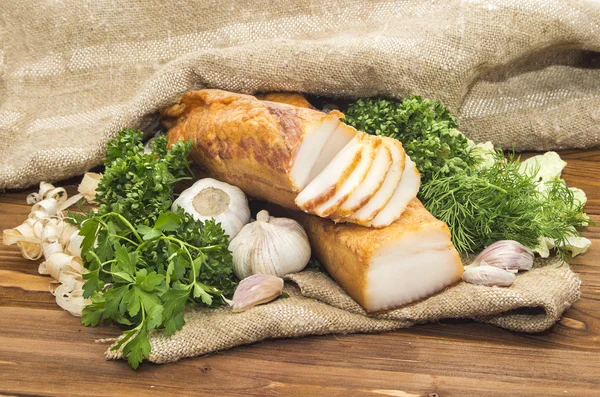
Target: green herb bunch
x,y
426,129
139,185
144,263
481,203
500,202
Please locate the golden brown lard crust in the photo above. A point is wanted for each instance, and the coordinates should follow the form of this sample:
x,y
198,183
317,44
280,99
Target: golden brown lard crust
x,y
346,249
244,141
290,98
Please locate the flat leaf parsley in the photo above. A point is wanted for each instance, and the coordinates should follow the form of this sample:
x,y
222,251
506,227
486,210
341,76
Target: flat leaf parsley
x,y
144,263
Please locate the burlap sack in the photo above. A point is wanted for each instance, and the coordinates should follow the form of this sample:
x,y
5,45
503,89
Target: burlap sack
x,y
524,74
520,73
317,306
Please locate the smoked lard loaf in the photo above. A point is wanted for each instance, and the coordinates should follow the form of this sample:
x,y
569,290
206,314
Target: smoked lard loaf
x,y
270,150
296,156
386,268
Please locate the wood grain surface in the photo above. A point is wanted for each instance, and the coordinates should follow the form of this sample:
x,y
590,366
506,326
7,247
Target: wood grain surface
x,y
45,351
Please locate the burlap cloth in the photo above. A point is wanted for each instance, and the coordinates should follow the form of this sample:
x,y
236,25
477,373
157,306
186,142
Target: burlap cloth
x,y
317,306
73,73
524,74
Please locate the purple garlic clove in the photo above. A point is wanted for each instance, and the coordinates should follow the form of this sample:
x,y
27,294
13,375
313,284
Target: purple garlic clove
x,y
254,290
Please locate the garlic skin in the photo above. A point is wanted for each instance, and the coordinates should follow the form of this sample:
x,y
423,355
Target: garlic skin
x,y
211,199
254,290
489,276
506,254
271,246
69,296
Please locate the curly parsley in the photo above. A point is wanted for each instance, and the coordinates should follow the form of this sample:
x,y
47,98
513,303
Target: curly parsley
x,y
426,129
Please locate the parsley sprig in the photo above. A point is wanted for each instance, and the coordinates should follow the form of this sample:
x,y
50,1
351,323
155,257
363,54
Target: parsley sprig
x,y
145,263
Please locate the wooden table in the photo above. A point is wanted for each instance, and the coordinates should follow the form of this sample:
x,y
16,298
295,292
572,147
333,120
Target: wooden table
x,y
45,351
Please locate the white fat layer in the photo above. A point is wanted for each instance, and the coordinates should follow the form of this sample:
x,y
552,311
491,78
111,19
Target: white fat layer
x,y
373,181
405,192
352,183
341,164
338,139
396,282
411,244
311,150
386,191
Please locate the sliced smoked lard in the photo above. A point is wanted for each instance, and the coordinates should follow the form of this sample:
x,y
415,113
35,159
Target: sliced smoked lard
x,y
382,164
354,181
386,268
330,180
405,192
379,200
270,150
339,192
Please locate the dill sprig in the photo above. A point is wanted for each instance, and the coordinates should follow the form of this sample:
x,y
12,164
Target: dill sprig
x,y
500,202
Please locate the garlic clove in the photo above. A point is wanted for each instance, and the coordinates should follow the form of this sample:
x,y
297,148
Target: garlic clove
x,y
255,290
506,254
488,275
229,221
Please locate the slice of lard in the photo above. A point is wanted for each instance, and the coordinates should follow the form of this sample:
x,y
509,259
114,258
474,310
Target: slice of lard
x,y
356,178
322,141
405,192
371,184
330,180
365,214
386,268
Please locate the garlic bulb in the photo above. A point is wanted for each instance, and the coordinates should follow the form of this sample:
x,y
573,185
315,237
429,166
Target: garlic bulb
x,y
273,246
506,254
211,199
254,290
488,275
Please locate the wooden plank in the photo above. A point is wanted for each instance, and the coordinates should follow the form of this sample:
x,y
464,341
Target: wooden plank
x,y
434,364
45,351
